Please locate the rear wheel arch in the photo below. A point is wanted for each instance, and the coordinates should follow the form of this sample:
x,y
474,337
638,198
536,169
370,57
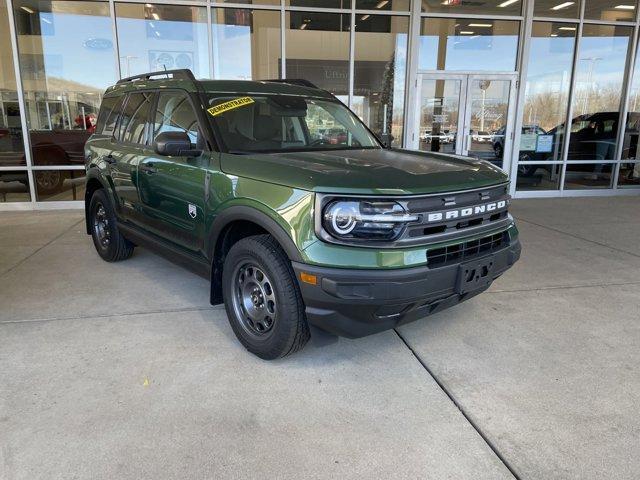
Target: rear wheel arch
x,y
234,224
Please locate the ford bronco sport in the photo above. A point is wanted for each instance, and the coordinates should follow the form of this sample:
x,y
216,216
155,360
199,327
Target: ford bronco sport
x,y
296,230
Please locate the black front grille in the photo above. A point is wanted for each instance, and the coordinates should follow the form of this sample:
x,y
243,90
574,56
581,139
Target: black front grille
x,y
452,219
459,252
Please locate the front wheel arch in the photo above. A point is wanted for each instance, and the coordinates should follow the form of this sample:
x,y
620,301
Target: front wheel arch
x,y
232,225
93,184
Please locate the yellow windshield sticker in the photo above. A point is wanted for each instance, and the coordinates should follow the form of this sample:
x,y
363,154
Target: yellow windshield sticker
x,y
230,105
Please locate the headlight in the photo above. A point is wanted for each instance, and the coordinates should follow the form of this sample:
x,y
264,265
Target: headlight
x,y
364,219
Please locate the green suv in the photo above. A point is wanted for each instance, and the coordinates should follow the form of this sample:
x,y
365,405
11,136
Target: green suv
x,y
301,218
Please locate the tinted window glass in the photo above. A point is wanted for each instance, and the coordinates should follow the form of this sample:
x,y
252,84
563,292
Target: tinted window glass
x,y
275,123
109,112
175,114
134,118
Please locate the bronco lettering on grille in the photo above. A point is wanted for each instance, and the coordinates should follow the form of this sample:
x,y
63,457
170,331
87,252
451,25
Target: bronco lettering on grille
x,y
466,212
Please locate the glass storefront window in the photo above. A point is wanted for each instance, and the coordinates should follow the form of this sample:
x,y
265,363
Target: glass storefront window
x,y
582,176
11,144
158,37
379,73
14,186
632,130
453,7
598,88
59,185
396,5
556,8
468,44
543,176
254,2
317,49
67,60
246,44
547,90
629,175
610,10
318,3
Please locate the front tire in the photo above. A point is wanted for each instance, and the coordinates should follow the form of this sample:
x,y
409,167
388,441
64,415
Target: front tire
x,y
109,242
262,298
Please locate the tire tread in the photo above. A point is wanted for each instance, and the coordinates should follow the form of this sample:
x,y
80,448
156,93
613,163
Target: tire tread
x,y
123,248
281,266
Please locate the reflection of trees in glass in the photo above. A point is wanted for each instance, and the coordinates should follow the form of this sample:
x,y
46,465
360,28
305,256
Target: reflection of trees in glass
x,y
545,109
548,109
590,99
386,98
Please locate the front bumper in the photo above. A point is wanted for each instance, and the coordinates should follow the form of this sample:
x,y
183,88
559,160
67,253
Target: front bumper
x,y
355,302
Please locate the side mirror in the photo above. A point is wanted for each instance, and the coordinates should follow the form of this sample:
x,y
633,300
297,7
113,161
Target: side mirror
x,y
174,144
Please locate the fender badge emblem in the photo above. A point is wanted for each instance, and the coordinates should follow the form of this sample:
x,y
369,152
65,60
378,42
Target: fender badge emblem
x,y
192,210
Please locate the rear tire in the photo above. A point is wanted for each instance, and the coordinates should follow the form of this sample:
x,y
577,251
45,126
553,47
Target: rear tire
x,y
109,242
262,298
49,182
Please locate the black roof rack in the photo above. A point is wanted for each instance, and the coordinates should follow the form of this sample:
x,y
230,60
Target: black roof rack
x,y
294,81
184,74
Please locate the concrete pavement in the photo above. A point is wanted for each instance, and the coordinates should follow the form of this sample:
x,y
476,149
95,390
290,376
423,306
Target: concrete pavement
x,y
125,371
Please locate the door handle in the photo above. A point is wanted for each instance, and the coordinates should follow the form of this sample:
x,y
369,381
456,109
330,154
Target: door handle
x,y
110,159
148,168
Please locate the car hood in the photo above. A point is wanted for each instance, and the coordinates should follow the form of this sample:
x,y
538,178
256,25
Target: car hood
x,y
366,171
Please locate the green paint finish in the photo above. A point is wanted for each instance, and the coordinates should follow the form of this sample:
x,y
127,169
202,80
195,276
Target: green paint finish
x,y
369,172
291,209
341,256
182,200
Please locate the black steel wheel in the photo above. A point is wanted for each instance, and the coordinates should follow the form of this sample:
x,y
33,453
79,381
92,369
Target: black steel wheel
x,y
262,298
109,242
254,301
101,227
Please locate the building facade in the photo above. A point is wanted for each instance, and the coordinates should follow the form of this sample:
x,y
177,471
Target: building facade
x,y
495,79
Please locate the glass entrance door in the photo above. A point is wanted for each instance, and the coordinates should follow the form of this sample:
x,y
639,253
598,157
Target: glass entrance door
x,y
466,114
440,115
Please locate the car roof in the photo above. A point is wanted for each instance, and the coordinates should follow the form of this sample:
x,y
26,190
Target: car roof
x,y
276,87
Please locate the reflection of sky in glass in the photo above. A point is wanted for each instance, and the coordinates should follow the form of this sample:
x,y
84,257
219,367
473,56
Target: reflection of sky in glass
x,y
231,52
602,61
71,49
464,52
550,63
149,45
399,76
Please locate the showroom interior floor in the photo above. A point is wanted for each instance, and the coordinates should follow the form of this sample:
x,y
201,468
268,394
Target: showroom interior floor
x,y
125,371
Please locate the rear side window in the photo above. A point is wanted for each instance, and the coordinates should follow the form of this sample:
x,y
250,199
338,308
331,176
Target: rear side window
x,y
108,116
134,118
175,114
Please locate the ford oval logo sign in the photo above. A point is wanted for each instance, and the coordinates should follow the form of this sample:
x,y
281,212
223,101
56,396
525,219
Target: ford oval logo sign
x,y
98,44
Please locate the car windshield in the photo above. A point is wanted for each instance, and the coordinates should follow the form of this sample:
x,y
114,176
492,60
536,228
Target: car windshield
x,y
278,123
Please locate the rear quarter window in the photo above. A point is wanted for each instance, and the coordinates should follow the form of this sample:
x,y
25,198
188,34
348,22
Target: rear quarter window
x,y
108,116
